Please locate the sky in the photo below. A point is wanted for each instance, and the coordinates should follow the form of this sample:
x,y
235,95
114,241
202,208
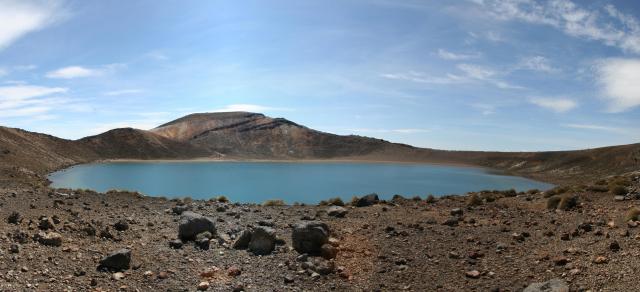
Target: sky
x,y
505,75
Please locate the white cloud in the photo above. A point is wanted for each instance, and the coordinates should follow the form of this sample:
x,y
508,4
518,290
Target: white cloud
x,y
30,100
537,63
3,72
475,71
73,72
607,25
20,17
27,91
620,83
558,105
249,108
597,128
470,74
444,54
123,92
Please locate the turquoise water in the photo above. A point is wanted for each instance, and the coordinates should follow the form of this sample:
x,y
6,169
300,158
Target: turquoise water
x,y
293,182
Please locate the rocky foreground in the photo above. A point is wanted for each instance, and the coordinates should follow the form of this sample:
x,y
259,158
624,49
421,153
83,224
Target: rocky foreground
x,y
579,238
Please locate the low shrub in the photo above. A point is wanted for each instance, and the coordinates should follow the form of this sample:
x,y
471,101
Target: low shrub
x,y
533,191
568,202
598,188
416,198
619,190
632,215
354,200
431,199
272,203
489,198
509,193
474,200
222,199
553,202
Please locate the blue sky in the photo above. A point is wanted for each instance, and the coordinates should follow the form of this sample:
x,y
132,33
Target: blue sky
x,y
482,75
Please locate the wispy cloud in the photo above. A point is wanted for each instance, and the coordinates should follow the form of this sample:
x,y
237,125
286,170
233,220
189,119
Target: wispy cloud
x,y
619,81
123,92
20,92
558,105
72,72
537,63
20,17
597,128
3,72
447,55
469,73
249,108
36,101
607,25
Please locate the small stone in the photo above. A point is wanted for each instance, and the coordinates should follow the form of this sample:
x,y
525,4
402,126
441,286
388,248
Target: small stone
x,y
148,274
600,260
118,276
14,248
288,279
452,222
336,211
175,244
203,286
554,285
456,212
328,251
49,238
118,260
233,271
560,261
473,274
121,225
45,223
163,275
614,246
203,243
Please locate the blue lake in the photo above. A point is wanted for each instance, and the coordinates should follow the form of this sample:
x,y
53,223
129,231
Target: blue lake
x,y
311,182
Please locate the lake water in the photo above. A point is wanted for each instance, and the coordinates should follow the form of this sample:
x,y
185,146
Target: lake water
x,y
293,182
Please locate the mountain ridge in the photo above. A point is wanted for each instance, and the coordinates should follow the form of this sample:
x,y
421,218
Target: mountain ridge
x,y
245,135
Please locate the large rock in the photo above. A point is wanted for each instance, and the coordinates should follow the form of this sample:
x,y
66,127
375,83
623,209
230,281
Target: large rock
x,y
118,260
242,242
336,211
553,285
263,240
367,200
191,224
308,237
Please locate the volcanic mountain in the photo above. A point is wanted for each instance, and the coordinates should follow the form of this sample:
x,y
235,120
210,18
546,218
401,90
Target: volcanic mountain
x,y
243,135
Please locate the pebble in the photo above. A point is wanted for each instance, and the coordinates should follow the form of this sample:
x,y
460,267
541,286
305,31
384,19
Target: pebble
x,y
203,286
475,274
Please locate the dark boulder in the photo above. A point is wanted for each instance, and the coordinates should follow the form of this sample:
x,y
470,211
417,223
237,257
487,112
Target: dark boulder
x,y
308,237
368,200
191,224
263,240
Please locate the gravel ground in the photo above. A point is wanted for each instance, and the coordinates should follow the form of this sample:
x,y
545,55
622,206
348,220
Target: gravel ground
x,y
492,241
